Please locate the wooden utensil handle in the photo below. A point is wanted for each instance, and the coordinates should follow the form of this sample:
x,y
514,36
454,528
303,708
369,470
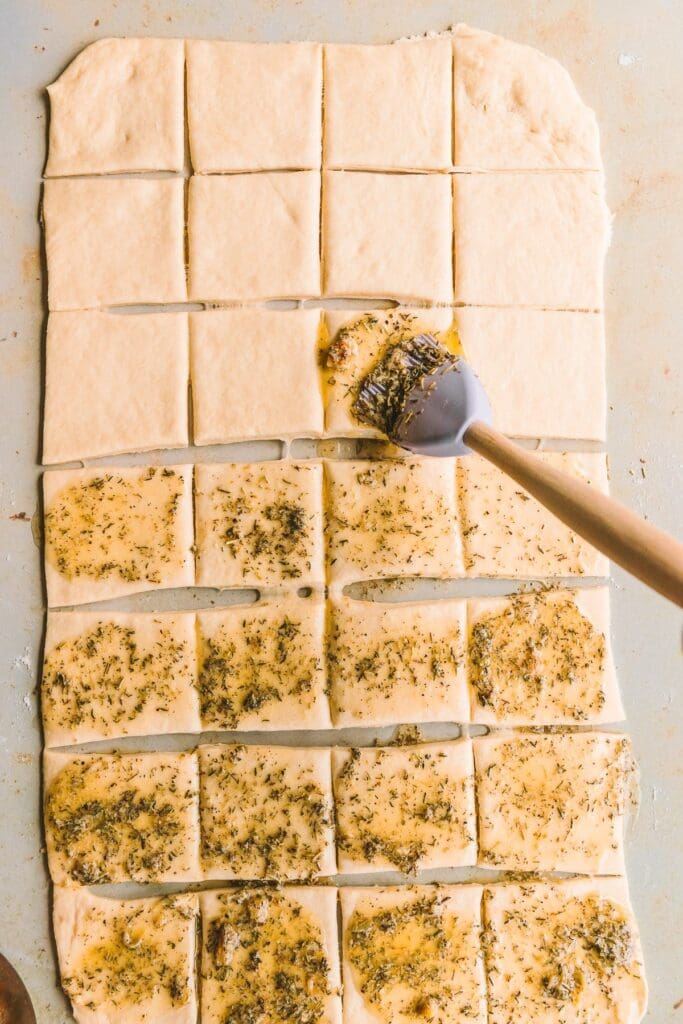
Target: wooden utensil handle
x,y
636,545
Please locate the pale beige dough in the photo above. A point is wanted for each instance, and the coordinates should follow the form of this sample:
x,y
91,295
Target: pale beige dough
x,y
119,107
413,954
387,236
507,533
254,106
530,239
121,817
114,241
543,370
114,384
516,108
254,236
553,802
115,531
396,662
564,951
270,955
266,812
127,960
255,374
388,107
111,674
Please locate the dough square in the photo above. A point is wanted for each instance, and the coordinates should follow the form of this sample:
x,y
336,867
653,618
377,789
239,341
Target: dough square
x,y
267,950
530,239
412,954
114,241
123,960
398,662
119,107
121,817
405,808
553,801
114,384
387,236
115,531
255,374
542,658
259,524
507,533
266,812
389,107
254,106
517,109
391,518
254,236
263,666
543,370
565,950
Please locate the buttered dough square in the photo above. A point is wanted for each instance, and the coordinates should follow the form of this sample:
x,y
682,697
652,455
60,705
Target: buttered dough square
x,y
270,955
391,663
121,817
266,812
530,239
553,801
259,524
263,667
119,107
387,236
111,674
405,808
254,236
413,954
255,374
507,533
114,384
114,241
542,658
543,370
389,107
391,519
115,531
564,951
254,106
124,960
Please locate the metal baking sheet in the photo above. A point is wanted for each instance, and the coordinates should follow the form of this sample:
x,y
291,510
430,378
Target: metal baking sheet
x,y
626,61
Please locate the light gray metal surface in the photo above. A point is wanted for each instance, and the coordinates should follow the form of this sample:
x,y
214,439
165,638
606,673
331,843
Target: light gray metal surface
x,y
625,57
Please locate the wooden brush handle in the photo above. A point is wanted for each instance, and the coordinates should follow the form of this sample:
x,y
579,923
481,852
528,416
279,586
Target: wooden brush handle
x,y
642,549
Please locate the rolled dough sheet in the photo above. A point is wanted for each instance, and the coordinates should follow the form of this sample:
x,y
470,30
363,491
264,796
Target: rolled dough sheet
x,y
127,960
254,106
268,951
266,812
111,532
114,384
114,241
259,524
121,817
405,808
389,107
254,236
548,245
119,107
507,533
398,662
554,801
112,674
255,374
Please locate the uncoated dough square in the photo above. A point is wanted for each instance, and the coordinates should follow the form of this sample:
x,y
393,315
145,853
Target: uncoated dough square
x,y
114,241
254,106
254,236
